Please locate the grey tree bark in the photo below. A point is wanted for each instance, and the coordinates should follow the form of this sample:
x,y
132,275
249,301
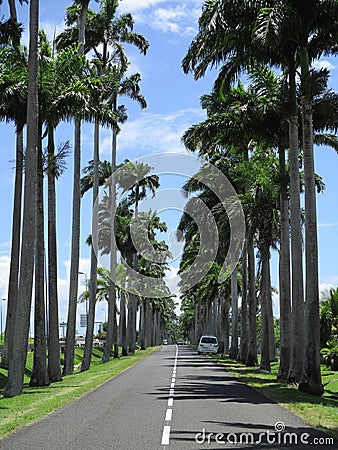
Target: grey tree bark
x,y
251,359
15,252
54,366
284,275
234,316
39,375
75,246
111,331
265,353
22,314
297,316
243,350
93,258
311,380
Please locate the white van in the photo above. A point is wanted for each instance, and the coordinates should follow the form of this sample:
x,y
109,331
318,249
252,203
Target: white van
x,y
208,344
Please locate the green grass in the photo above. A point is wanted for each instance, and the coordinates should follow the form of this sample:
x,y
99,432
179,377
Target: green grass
x,y
35,403
321,412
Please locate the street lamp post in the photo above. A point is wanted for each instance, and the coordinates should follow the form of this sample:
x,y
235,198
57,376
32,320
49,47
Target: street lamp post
x,y
86,284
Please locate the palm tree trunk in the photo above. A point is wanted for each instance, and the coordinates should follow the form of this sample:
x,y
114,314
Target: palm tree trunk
x,y
251,359
265,354
311,381
115,335
284,275
39,375
75,254
224,322
113,262
54,367
82,25
271,323
158,327
243,351
197,324
123,327
148,323
93,258
132,323
15,252
68,367
142,324
234,316
297,317
22,314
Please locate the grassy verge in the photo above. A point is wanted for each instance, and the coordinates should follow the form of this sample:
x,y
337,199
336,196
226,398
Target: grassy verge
x,y
35,403
321,412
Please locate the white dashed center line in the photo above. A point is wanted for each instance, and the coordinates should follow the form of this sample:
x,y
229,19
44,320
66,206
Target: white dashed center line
x,y
168,415
169,411
165,435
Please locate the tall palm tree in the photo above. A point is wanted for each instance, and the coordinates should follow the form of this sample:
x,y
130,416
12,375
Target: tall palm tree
x,y
21,114
134,177
39,376
68,367
22,314
13,91
318,35
291,19
106,30
126,86
55,168
310,31
11,28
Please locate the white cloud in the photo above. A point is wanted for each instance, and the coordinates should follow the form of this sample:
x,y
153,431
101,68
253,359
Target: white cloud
x,y
327,225
324,288
5,248
153,133
162,15
135,5
176,20
323,64
52,29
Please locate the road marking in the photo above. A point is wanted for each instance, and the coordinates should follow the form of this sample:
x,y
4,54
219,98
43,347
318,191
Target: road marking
x,y
169,411
165,435
168,415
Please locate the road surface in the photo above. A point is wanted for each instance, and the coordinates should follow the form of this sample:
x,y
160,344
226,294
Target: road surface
x,y
174,399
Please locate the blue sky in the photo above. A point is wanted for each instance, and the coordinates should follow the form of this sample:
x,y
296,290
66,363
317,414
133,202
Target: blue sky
x,y
173,105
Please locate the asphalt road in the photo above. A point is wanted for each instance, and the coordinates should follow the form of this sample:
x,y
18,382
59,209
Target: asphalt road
x,y
174,399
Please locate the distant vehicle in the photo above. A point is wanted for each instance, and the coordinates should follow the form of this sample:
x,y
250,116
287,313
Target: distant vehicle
x,y
96,342
179,342
208,344
165,342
